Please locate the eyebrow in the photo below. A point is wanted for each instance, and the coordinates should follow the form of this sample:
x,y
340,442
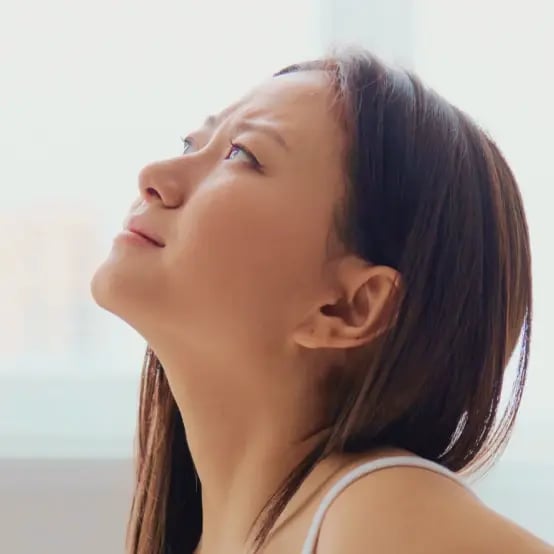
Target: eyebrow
x,y
212,121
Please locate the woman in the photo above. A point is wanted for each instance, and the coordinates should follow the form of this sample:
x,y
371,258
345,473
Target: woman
x,y
331,280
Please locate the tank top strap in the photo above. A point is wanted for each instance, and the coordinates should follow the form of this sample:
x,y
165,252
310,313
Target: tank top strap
x,y
360,471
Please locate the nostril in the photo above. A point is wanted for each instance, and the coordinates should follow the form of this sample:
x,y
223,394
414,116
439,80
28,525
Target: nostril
x,y
152,192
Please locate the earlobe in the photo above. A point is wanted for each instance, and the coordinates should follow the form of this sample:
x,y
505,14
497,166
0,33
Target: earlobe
x,y
313,333
363,310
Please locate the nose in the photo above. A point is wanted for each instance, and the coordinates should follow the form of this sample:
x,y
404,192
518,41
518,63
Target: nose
x,y
161,182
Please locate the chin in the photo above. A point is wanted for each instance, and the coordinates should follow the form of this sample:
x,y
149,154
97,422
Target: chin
x,y
106,287
114,286
125,291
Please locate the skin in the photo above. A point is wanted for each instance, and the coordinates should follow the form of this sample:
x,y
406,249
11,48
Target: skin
x,y
249,301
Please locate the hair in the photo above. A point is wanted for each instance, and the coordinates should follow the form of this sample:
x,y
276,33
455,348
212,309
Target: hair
x,y
427,192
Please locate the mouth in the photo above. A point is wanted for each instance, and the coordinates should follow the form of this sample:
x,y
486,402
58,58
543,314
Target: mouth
x,y
146,236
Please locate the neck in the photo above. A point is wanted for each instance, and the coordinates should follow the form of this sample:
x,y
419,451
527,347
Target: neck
x,y
245,436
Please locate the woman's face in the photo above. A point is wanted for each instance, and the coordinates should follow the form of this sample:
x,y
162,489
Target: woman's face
x,y
245,240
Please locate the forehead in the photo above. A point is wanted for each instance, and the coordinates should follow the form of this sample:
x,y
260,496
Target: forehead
x,y
299,104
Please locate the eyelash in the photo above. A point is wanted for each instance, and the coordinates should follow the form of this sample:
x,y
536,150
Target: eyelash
x,y
232,145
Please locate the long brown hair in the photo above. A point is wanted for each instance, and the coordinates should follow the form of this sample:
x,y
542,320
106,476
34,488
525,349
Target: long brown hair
x,y
429,194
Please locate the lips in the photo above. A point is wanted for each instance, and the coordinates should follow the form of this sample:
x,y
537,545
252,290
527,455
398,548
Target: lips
x,y
138,226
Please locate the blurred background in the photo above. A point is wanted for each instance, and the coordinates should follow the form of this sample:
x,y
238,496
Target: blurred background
x,y
92,91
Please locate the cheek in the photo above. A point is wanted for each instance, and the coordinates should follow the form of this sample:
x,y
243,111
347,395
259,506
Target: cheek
x,y
245,255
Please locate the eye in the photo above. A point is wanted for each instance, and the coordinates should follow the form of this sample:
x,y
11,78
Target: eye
x,y
235,151
238,149
187,144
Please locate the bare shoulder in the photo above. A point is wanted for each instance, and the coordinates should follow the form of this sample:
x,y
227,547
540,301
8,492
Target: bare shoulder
x,y
414,510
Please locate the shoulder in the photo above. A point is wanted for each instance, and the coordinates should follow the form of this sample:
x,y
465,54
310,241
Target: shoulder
x,y
414,510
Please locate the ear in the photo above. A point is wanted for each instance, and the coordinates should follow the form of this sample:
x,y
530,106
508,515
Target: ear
x,y
359,309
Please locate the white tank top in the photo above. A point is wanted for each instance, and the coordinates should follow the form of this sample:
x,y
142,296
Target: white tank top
x,y
360,471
